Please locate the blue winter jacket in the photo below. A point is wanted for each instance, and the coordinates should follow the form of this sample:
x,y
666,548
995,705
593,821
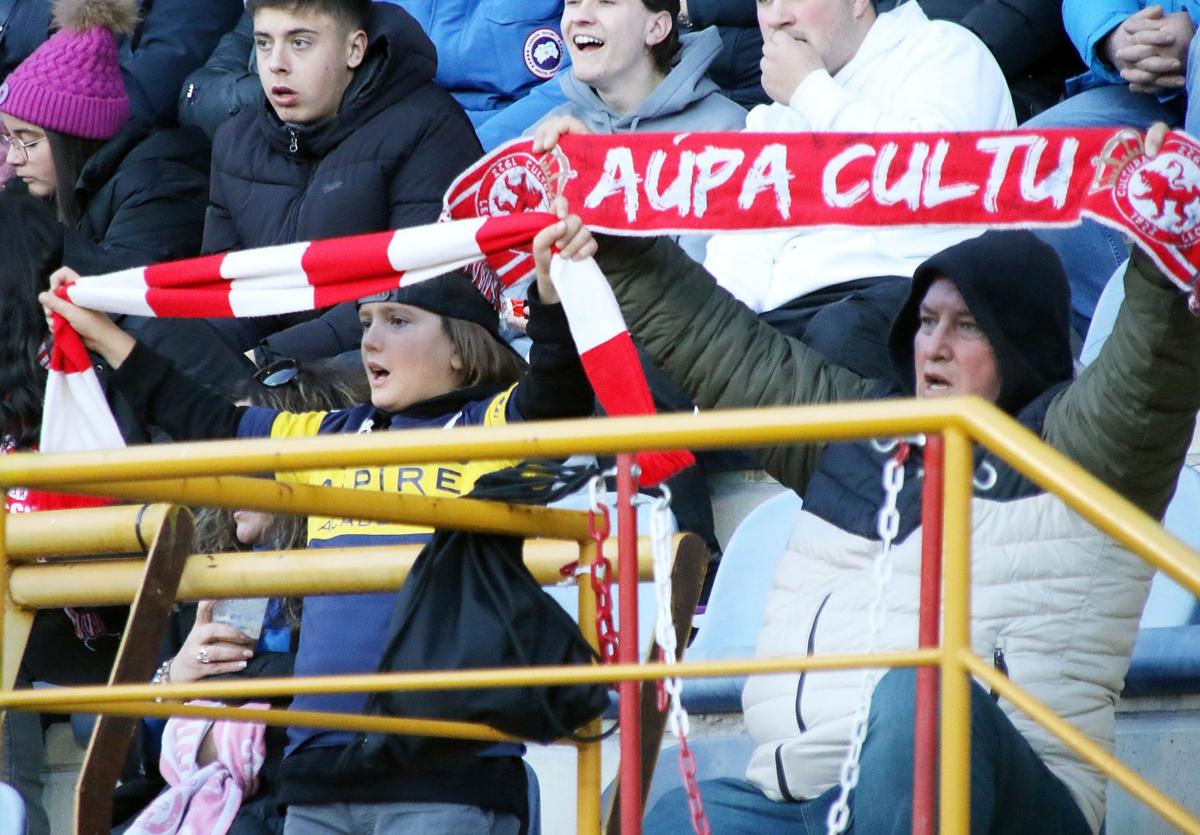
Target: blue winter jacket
x,y
492,54
1088,22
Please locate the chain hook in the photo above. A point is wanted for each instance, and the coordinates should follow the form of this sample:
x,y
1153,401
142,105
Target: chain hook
x,y
985,477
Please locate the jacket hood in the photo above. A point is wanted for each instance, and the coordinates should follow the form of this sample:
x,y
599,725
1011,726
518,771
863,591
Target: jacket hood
x,y
400,57
687,82
1015,287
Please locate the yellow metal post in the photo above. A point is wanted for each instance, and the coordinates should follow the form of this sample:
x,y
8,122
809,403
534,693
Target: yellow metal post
x,y
955,781
151,472
587,791
1088,749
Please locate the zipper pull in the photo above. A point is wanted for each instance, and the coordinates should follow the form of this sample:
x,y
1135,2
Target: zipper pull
x,y
294,145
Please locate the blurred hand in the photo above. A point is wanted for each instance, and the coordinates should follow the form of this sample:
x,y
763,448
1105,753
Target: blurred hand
x,y
786,62
98,332
1155,136
211,649
569,237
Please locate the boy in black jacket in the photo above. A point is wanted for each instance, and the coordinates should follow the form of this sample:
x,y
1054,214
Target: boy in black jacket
x,y
353,137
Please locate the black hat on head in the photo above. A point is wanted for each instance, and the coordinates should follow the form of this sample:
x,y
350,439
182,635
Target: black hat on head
x,y
1015,287
453,295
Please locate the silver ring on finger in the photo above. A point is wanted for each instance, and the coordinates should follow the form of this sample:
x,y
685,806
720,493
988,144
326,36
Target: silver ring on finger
x,y
202,656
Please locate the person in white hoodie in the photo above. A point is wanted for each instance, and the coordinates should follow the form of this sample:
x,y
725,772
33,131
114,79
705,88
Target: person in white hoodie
x,y
837,65
631,72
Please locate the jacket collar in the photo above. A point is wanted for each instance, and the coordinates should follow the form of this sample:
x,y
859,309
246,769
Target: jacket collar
x,y
400,58
436,407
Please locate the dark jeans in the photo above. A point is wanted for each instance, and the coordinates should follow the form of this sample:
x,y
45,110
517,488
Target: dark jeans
x,y
1012,791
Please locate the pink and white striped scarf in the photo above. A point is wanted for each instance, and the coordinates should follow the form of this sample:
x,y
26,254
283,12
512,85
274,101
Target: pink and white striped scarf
x,y
204,799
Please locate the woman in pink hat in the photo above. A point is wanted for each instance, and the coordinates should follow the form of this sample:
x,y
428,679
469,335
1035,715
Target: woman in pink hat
x,y
129,195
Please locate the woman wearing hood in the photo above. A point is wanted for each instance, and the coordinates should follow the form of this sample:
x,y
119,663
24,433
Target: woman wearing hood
x,y
1055,602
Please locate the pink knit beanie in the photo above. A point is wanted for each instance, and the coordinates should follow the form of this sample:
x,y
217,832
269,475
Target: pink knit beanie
x,y
72,83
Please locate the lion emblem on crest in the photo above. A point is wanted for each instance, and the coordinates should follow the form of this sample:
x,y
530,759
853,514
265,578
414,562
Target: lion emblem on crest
x,y
516,183
1159,196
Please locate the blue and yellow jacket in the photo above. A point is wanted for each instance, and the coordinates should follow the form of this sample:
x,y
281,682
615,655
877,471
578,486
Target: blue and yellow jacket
x,y
346,633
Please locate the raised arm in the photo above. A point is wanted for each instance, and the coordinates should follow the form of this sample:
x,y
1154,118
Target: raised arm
x,y
157,392
715,348
556,385
1129,417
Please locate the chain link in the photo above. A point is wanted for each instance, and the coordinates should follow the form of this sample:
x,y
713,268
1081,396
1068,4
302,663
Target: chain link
x,y
601,576
888,526
670,688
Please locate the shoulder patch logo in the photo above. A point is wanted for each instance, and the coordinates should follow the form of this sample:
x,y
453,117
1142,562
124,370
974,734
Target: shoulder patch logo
x,y
543,52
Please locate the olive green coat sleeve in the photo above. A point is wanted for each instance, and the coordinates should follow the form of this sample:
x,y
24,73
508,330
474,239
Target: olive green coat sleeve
x,y
1130,416
715,348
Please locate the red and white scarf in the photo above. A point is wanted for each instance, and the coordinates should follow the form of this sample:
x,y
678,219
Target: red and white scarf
x,y
650,184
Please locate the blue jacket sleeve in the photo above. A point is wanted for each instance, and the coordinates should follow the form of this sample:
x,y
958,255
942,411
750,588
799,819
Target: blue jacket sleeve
x,y
519,116
174,37
1088,22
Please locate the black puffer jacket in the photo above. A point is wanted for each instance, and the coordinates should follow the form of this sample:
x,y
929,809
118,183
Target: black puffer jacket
x,y
736,70
383,162
143,196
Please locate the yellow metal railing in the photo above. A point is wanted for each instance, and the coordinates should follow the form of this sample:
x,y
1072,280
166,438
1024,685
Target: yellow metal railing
x,y
195,474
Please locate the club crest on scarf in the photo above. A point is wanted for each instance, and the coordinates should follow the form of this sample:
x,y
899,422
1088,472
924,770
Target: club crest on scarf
x,y
1160,197
514,183
511,181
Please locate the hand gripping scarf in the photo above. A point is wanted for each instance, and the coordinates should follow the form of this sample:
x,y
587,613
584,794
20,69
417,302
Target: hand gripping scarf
x,y
652,184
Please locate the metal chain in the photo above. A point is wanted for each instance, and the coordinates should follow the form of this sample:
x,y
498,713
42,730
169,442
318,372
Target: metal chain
x,y
888,526
670,688
601,575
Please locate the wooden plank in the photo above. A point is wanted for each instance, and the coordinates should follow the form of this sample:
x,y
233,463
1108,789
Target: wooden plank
x,y
136,660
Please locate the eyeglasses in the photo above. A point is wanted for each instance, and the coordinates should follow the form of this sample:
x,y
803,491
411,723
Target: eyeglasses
x,y
279,373
7,141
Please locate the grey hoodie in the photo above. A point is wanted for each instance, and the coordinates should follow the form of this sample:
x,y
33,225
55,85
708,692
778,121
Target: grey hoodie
x,y
686,100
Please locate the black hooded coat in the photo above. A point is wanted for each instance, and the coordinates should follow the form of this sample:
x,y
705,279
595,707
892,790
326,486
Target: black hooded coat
x,y
383,162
